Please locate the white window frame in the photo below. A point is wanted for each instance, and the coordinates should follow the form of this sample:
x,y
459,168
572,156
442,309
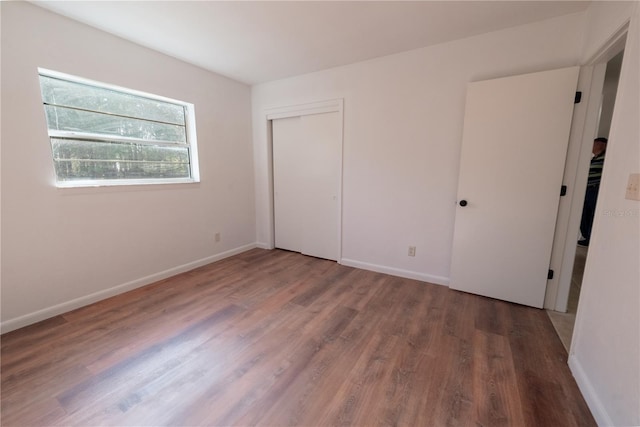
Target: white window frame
x,y
190,130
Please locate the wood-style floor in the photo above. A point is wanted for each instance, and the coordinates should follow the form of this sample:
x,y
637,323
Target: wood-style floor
x,y
277,338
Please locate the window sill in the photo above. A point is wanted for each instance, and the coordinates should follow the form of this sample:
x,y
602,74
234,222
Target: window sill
x,y
123,183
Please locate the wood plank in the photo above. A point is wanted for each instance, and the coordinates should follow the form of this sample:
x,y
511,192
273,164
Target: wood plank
x,y
497,398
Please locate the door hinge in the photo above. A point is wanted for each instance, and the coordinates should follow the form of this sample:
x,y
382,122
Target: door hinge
x,y
563,190
550,274
578,98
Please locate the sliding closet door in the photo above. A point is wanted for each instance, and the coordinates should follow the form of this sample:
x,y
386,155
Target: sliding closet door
x,y
306,172
287,185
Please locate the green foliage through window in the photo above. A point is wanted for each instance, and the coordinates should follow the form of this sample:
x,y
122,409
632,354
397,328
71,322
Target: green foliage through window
x,y
101,133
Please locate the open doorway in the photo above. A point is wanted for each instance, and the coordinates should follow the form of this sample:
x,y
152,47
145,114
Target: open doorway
x,y
564,322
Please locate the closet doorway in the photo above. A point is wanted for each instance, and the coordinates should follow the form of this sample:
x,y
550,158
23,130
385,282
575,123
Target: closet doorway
x,y
307,180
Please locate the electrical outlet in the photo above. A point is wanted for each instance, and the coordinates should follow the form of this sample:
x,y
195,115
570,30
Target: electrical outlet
x,y
633,187
216,237
412,251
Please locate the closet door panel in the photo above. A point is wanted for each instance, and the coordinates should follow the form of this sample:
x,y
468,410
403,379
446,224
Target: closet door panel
x,y
287,184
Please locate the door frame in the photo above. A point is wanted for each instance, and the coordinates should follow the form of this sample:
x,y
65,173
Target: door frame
x,y
583,131
298,110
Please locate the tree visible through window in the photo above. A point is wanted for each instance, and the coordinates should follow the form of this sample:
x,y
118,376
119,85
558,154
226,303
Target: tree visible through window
x,y
102,134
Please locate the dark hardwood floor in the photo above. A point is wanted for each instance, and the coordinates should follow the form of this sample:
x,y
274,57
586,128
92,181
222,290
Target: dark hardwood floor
x,y
277,338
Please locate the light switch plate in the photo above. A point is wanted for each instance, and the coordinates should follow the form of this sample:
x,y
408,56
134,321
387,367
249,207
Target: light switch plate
x,y
633,187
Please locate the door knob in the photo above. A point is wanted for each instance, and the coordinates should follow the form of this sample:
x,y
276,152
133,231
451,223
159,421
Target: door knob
x,y
463,203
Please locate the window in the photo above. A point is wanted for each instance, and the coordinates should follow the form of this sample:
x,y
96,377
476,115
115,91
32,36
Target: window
x,y
106,135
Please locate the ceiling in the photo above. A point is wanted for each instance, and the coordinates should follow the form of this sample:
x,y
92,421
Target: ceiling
x,y
255,42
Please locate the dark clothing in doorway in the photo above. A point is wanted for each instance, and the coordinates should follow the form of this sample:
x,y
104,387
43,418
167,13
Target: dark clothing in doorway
x,y
588,212
591,197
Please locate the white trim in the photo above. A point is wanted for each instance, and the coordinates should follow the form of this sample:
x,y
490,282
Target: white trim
x,y
407,274
84,183
588,391
319,107
330,106
262,245
612,46
45,313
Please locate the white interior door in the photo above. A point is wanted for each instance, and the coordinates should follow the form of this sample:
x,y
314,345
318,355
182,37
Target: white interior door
x,y
515,137
307,157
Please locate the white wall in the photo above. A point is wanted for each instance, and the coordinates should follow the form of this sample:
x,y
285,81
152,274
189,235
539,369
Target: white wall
x,y
605,351
62,248
403,119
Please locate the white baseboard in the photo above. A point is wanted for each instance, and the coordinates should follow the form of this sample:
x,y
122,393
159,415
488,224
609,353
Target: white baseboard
x,y
37,316
407,274
262,245
589,393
